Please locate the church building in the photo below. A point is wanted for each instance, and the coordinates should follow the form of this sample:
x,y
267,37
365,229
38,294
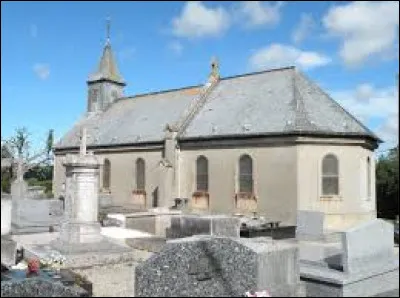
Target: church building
x,y
269,142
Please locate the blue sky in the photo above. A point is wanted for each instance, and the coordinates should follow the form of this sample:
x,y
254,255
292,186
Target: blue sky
x,y
48,49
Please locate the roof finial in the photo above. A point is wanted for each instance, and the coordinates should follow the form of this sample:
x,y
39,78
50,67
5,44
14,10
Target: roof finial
x,y
108,29
214,68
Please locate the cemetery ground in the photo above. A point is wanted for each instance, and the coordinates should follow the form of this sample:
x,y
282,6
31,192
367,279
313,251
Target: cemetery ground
x,y
159,277
176,252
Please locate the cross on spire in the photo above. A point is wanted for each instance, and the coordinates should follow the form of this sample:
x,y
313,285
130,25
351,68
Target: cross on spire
x,y
214,68
108,29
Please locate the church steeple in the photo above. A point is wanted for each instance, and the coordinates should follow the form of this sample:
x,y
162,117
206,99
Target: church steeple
x,y
106,84
107,69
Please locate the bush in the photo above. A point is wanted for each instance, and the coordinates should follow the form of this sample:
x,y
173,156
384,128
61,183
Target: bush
x,y
5,184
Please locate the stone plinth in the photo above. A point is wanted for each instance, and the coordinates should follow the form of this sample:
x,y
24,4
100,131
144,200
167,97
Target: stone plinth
x,y
82,184
205,266
6,205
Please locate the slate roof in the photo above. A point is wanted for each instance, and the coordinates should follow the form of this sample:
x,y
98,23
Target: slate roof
x,y
138,119
278,102
272,102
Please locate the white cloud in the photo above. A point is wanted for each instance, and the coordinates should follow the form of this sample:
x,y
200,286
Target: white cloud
x,y
368,103
257,13
176,47
278,55
197,20
42,70
365,28
304,28
33,30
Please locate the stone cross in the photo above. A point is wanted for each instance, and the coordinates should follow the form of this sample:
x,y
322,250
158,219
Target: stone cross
x,y
20,169
82,150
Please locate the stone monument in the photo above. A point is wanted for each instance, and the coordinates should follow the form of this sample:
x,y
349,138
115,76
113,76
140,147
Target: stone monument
x,y
80,230
208,266
364,264
30,213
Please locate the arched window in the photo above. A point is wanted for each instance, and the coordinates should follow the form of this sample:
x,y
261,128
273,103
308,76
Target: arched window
x,y
140,174
330,175
202,174
106,174
368,178
245,174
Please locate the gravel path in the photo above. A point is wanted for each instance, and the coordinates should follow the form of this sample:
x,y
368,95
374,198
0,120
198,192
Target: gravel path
x,y
111,280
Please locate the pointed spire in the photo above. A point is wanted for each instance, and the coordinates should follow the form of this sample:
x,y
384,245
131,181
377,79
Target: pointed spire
x,y
107,69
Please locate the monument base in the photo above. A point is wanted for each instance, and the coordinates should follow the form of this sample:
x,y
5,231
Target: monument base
x,y
80,237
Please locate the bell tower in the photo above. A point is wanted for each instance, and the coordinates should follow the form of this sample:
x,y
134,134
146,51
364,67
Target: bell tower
x,y
106,84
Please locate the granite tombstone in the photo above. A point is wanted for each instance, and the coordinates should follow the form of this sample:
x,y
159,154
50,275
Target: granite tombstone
x,y
207,266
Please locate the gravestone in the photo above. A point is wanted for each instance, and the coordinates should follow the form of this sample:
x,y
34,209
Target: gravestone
x,y
370,243
310,225
215,225
38,287
6,205
363,265
207,266
34,216
8,251
36,192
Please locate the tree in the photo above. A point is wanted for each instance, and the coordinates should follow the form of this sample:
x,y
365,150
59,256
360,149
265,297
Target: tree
x,y
6,151
20,142
387,184
37,168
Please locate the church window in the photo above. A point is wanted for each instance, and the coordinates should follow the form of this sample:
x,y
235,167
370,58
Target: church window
x,y
114,95
140,174
106,174
245,174
202,174
330,175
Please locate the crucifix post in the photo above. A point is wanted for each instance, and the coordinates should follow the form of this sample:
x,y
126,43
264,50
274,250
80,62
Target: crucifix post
x,y
82,150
